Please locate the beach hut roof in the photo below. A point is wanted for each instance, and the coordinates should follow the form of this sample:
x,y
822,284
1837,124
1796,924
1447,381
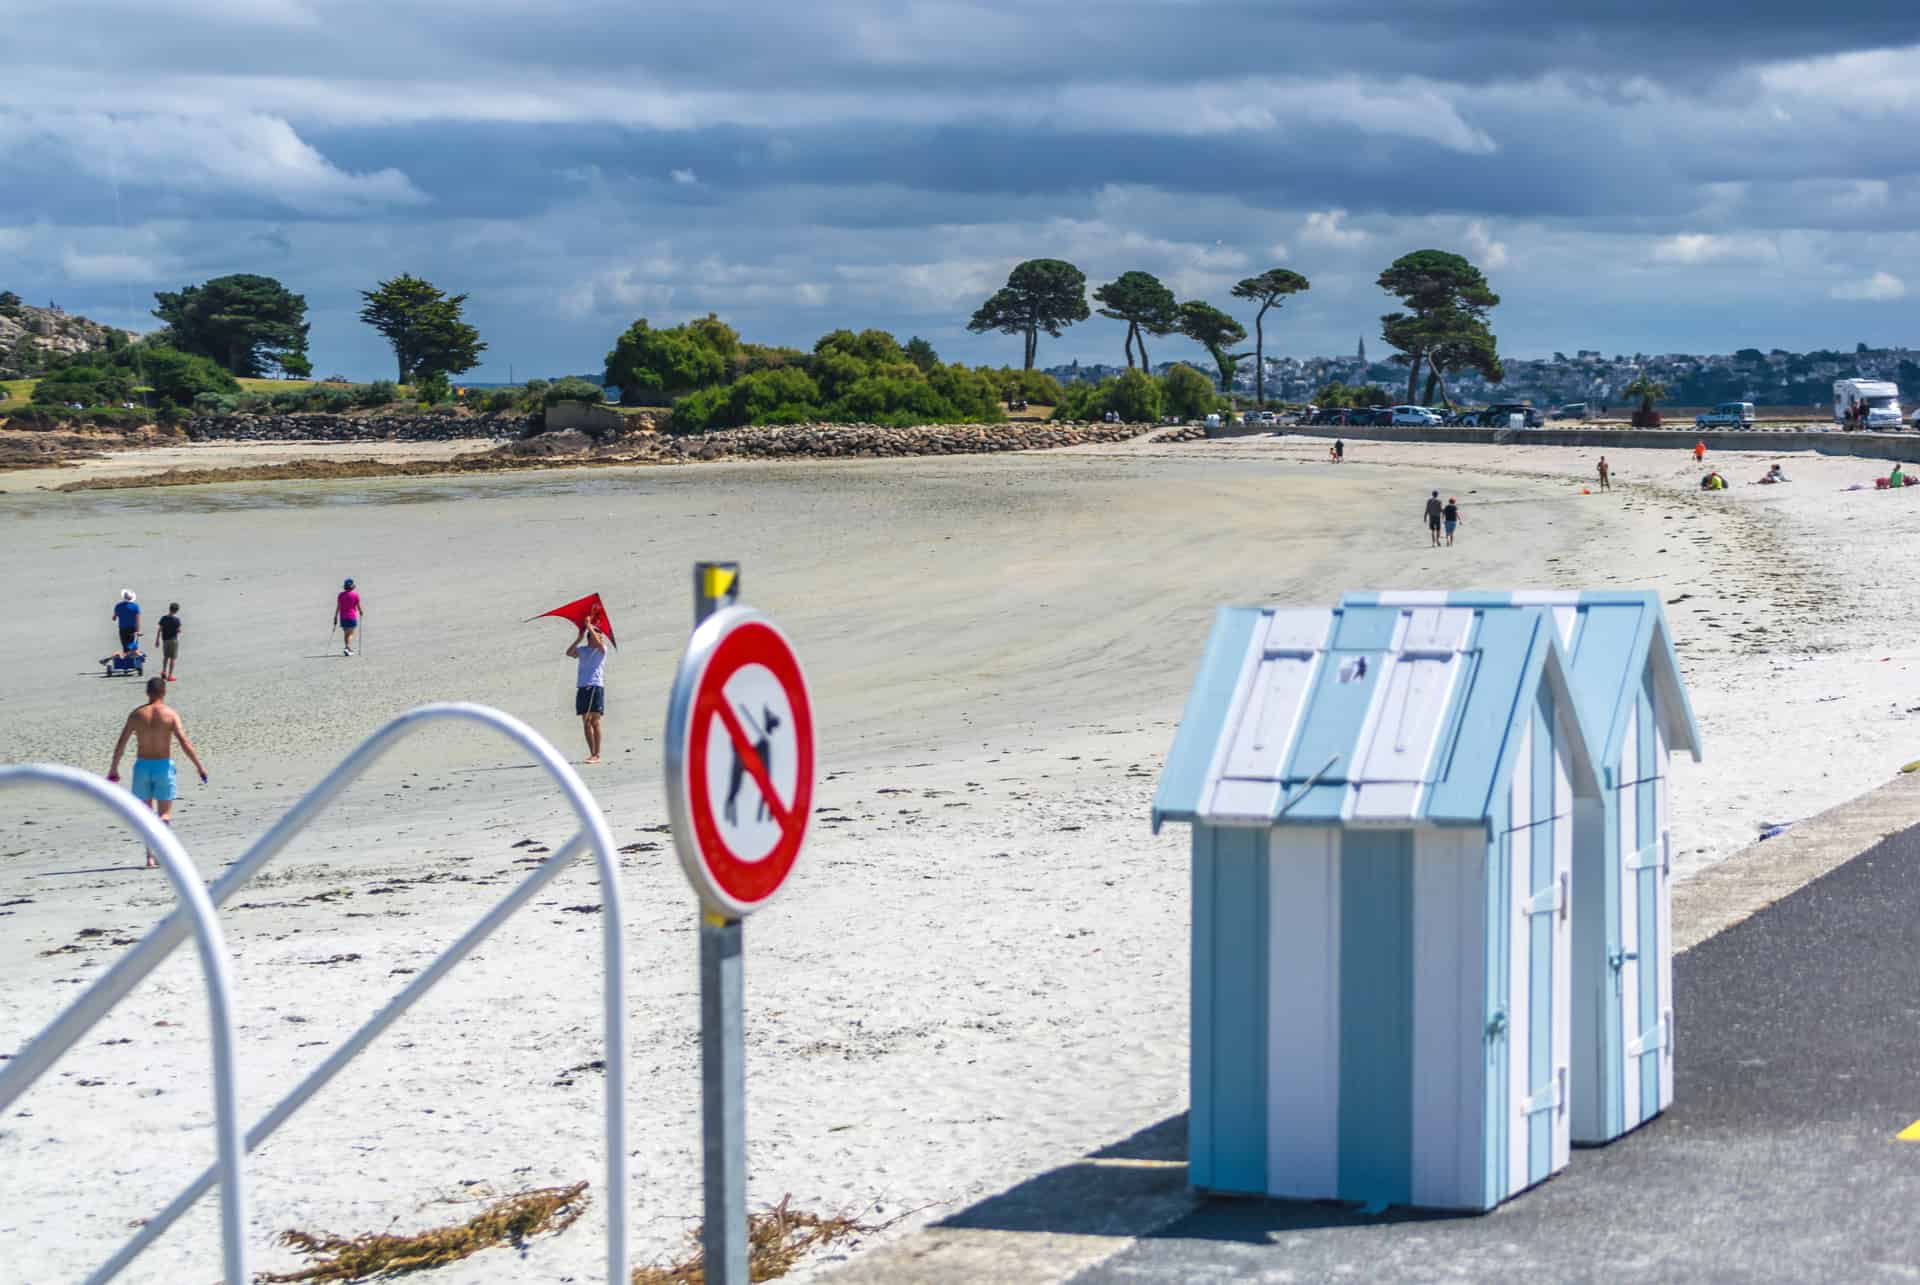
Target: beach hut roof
x,y
1613,637
1365,714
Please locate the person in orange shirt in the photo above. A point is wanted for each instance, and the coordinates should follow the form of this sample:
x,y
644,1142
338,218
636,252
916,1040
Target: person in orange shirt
x,y
1699,451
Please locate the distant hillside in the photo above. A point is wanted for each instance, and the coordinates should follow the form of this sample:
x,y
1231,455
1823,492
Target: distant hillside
x,y
30,337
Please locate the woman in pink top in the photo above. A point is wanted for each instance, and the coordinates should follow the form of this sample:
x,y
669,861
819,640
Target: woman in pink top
x,y
346,614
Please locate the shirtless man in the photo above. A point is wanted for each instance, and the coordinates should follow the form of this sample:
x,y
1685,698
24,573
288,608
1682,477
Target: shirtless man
x,y
153,728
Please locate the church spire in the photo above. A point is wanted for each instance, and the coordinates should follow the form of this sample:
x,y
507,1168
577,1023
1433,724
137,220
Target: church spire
x,y
1363,351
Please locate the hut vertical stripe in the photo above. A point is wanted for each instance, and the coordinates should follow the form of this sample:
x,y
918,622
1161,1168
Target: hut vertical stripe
x,y
1303,1039
1230,967
1449,987
1376,1005
1540,946
1563,932
1627,977
1519,962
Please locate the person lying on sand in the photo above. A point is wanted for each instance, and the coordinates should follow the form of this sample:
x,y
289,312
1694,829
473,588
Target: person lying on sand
x,y
1775,474
153,727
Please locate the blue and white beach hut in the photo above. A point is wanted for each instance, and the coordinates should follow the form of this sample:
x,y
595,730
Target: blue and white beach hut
x,y
1382,801
1627,685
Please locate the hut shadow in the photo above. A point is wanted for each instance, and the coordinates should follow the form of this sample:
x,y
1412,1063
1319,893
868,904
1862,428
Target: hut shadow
x,y
1126,1189
1136,1188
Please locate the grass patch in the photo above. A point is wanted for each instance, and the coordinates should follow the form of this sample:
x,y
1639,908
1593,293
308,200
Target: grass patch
x,y
777,1238
271,386
511,1220
1034,411
19,393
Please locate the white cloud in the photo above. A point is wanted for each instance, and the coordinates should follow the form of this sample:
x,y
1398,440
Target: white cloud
x,y
1703,247
1878,288
1491,253
82,268
1328,227
684,177
253,155
1250,105
1277,251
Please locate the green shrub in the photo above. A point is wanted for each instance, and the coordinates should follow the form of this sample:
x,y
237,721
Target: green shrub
x,y
503,399
1035,386
176,376
1136,397
381,392
434,390
1188,394
573,389
87,385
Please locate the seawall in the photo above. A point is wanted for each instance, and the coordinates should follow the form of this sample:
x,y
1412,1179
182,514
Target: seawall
x,y
1879,446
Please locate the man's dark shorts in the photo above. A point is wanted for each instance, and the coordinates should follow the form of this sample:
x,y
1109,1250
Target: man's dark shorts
x,y
126,638
589,700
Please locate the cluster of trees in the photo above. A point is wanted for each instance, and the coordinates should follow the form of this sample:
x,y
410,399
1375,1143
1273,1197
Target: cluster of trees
x,y
1138,397
1048,295
867,377
174,377
248,326
252,327
1441,326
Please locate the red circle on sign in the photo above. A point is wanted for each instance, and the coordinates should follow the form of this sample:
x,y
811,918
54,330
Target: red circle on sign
x,y
747,883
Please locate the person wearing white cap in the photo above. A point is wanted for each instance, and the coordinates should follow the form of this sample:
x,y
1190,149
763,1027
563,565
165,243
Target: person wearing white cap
x,y
126,614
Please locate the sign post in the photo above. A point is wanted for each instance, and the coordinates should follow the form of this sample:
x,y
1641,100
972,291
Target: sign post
x,y
739,775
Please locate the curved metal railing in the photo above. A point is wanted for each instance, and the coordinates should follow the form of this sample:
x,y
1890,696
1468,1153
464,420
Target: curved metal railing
x,y
196,916
142,958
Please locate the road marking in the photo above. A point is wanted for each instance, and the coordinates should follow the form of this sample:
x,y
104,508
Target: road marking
x,y
1909,1134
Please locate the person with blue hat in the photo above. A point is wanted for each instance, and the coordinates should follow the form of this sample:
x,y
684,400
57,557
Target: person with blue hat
x,y
346,614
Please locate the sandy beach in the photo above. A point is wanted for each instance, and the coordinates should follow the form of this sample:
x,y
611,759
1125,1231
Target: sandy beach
x,y
979,969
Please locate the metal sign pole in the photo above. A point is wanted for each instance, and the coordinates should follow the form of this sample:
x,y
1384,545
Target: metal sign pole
x,y
723,1045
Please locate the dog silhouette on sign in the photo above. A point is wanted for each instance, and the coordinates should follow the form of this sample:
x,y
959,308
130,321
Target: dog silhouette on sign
x,y
763,749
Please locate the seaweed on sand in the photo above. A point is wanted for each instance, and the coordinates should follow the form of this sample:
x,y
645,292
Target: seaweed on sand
x,y
777,1238
510,1220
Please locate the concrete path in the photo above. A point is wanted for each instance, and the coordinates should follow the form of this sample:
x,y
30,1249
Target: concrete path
x,y
1797,1064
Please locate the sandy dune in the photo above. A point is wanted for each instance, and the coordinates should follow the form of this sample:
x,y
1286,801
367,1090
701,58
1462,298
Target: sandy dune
x,y
980,968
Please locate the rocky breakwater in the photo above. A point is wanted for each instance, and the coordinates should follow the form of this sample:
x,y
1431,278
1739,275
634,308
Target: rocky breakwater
x,y
877,440
396,427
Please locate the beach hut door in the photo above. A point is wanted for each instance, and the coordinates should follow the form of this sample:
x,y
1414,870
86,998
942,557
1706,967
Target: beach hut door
x,y
1644,962
1540,848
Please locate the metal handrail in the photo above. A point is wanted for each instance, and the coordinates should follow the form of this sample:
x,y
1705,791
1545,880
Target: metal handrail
x,y
142,958
195,915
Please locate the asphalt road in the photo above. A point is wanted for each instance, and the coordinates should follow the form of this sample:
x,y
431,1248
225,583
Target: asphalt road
x,y
1797,1061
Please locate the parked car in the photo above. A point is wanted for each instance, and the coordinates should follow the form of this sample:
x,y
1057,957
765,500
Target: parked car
x,y
1726,415
1499,415
1414,416
1572,410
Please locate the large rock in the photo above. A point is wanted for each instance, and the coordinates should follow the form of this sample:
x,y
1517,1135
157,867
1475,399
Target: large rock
x,y
51,332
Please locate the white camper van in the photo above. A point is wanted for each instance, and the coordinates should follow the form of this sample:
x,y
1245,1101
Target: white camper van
x,y
1881,399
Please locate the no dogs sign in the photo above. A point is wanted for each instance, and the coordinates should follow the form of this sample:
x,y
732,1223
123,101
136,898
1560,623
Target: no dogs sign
x,y
739,760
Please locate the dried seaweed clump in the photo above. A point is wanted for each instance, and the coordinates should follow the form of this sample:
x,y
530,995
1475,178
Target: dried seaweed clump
x,y
511,1220
777,1238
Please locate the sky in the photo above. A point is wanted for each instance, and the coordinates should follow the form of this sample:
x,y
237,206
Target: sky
x,y
1631,176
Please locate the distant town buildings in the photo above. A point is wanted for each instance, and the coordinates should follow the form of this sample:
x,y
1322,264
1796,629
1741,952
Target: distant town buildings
x,y
1773,378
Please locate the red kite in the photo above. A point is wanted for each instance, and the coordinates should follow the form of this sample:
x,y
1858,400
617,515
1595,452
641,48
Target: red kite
x,y
582,612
